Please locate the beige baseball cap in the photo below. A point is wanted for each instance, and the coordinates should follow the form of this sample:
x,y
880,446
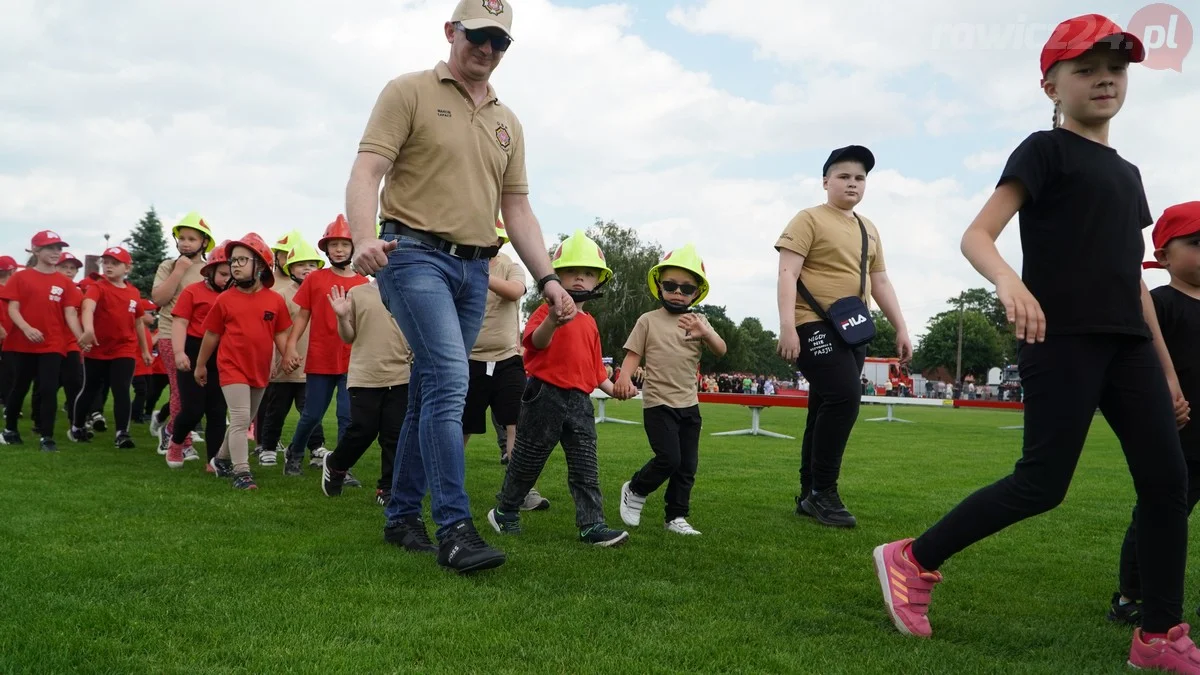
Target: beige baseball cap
x,y
475,14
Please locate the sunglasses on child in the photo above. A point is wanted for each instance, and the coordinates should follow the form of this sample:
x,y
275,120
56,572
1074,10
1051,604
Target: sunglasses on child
x,y
672,287
478,36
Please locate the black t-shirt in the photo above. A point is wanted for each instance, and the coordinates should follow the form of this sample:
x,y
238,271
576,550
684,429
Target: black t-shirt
x,y
1081,233
1179,318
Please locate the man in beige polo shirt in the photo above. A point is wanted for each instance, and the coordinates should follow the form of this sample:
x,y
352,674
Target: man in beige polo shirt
x,y
822,247
450,155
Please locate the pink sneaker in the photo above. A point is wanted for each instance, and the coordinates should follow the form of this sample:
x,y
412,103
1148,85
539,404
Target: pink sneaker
x,y
1176,654
175,455
905,587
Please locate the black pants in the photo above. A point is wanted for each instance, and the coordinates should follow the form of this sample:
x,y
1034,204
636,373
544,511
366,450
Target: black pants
x,y
550,415
118,375
279,398
674,435
6,375
1066,378
1130,572
196,402
157,383
70,378
28,368
373,414
833,370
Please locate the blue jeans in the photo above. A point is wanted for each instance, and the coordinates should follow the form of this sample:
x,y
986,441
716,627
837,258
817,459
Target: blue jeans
x,y
318,392
438,302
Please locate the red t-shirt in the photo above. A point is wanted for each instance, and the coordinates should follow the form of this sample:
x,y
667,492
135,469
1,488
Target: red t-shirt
x,y
247,324
572,360
115,320
193,305
327,353
42,298
139,367
5,322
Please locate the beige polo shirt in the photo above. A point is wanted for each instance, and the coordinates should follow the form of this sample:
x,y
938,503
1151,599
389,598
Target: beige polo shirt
x,y
500,335
191,276
451,159
669,357
379,356
288,290
831,244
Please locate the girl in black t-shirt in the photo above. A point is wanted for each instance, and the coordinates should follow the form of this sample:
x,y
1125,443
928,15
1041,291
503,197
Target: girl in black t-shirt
x,y
1087,325
1177,249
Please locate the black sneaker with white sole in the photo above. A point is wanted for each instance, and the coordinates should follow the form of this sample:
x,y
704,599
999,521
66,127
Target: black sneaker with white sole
x,y
332,480
98,422
10,437
1129,613
78,435
601,534
409,533
222,468
827,507
48,445
123,441
462,550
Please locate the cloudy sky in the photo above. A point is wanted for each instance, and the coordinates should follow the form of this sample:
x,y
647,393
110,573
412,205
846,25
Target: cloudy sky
x,y
690,120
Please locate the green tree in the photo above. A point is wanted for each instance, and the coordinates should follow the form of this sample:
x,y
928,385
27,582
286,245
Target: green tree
x,y
982,345
736,355
626,297
884,342
985,302
148,247
760,345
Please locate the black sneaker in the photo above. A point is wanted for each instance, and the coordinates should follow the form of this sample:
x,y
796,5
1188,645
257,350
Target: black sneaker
x,y
800,508
828,509
382,497
332,480
1130,613
463,550
98,422
78,435
602,535
291,466
10,437
48,445
410,535
222,468
124,442
505,522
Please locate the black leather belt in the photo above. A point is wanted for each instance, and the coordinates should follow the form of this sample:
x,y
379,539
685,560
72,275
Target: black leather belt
x,y
457,250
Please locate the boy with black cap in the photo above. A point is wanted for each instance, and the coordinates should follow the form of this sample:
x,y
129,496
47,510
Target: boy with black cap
x,y
830,266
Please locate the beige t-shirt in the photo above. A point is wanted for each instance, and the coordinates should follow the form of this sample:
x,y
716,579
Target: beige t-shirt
x,y
831,244
670,359
288,290
191,276
500,335
379,356
451,159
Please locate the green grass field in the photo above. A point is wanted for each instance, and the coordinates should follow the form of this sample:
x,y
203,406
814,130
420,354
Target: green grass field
x,y
112,563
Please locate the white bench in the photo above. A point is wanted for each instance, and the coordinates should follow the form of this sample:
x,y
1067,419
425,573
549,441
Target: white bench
x,y
892,401
600,398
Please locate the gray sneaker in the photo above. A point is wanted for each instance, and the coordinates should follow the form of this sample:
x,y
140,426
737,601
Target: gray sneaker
x,y
534,501
292,466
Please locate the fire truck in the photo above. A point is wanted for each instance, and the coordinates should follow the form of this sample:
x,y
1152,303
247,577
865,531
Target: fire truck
x,y
880,371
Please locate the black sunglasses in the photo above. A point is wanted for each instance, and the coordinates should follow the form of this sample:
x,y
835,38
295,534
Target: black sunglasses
x,y
478,36
672,287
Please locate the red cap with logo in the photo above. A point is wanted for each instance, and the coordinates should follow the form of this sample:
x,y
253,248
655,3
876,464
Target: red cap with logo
x,y
7,263
46,238
68,257
119,254
1073,37
1181,220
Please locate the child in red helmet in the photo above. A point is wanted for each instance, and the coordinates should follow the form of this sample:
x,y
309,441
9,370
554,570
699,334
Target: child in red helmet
x,y
41,306
245,321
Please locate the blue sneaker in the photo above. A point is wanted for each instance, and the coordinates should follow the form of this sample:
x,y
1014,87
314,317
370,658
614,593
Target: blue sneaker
x,y
602,535
223,468
244,481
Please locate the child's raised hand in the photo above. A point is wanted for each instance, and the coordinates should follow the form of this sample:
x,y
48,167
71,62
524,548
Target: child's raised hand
x,y
694,327
1022,309
182,263
339,299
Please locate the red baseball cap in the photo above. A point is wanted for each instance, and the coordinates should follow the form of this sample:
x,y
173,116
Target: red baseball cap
x,y
46,238
1073,37
7,263
119,254
1181,220
67,257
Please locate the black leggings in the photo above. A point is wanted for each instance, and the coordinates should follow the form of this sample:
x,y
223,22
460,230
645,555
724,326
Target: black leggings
x,y
117,374
833,370
374,413
70,378
1129,572
28,368
1066,378
196,402
6,375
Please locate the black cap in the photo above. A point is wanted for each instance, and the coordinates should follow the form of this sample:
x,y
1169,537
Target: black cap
x,y
855,153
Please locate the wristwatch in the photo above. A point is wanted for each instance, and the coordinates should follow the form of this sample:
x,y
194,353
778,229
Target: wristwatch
x,y
541,284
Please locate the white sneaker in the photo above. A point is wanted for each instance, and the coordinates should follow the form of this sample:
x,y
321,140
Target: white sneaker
x,y
267,458
155,426
318,457
631,506
196,437
680,526
189,454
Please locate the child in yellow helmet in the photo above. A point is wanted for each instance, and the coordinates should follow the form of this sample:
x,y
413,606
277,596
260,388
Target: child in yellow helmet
x,y
564,366
670,340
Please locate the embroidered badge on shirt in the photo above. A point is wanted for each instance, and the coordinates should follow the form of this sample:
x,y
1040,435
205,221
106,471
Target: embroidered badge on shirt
x,y
502,136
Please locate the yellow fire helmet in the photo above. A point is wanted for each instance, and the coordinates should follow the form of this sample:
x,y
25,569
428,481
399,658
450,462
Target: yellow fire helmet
x,y
501,232
302,251
287,241
195,222
579,250
684,258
